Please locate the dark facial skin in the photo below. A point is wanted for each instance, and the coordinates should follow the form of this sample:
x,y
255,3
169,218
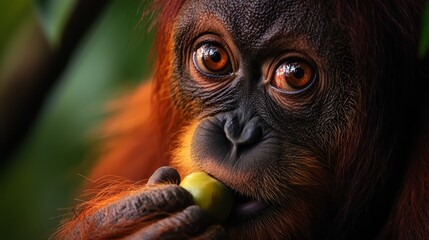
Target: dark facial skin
x,y
274,146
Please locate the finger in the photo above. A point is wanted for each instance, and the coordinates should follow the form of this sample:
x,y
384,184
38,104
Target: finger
x,y
164,175
132,212
190,222
215,232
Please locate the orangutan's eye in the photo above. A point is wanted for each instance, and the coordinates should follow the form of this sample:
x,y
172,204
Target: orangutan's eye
x,y
293,75
211,59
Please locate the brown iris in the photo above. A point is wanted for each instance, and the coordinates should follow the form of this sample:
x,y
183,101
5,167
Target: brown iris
x,y
212,59
293,76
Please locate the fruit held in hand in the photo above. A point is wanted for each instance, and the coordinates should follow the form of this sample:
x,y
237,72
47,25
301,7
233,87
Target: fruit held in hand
x,y
210,194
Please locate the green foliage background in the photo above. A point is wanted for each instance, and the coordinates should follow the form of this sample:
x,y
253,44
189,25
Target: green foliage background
x,y
40,185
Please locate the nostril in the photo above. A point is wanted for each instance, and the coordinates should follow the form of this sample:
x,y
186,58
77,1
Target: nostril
x,y
243,133
251,133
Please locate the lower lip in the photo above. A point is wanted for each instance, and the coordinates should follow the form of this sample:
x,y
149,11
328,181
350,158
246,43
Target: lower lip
x,y
244,210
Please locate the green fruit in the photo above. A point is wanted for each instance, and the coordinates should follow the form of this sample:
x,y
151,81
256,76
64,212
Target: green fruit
x,y
210,194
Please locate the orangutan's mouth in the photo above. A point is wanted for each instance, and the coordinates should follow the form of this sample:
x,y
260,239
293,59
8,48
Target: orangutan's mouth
x,y
246,207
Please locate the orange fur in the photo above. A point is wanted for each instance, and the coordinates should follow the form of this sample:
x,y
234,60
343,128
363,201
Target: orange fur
x,y
182,158
138,139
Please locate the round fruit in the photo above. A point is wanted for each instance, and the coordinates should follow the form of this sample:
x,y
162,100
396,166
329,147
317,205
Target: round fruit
x,y
210,194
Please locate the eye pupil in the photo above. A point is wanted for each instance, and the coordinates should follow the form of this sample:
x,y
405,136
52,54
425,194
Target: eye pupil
x,y
215,55
298,73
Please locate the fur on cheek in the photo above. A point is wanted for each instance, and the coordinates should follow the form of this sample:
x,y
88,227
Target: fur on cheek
x,y
182,153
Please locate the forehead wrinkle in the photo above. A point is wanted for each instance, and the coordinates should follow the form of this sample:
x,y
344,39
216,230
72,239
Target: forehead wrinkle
x,y
253,24
289,25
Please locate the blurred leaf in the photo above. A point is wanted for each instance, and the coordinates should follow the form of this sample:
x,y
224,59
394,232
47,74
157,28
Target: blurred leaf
x,y
424,38
53,16
45,174
12,14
